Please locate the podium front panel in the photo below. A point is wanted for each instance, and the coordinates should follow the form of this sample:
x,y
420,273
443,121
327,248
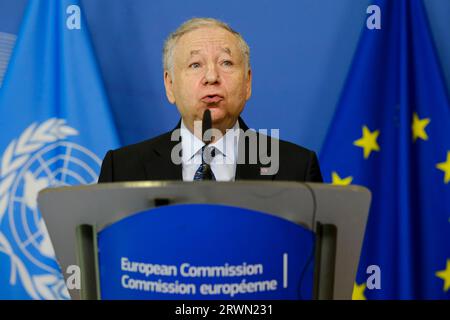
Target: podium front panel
x,y
204,252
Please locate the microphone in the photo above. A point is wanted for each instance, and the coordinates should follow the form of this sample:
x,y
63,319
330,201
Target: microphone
x,y
206,125
208,152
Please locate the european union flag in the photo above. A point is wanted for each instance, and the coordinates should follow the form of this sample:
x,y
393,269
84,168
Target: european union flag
x,y
55,127
390,133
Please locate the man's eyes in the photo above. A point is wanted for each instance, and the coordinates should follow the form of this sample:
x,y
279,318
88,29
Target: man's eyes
x,y
194,65
227,63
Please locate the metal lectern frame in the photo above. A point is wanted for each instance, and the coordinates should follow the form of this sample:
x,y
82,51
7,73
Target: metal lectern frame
x,y
337,215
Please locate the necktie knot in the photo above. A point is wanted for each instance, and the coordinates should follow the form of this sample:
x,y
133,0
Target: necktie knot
x,y
204,171
208,153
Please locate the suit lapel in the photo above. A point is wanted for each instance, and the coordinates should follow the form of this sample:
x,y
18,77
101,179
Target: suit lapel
x,y
247,171
159,164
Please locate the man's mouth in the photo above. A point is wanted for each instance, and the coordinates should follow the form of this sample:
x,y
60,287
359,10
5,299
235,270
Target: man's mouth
x,y
213,98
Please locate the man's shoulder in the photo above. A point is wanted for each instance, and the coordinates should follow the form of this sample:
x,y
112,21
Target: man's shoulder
x,y
294,148
129,163
288,148
296,162
144,146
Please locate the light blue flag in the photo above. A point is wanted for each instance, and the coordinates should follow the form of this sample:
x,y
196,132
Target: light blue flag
x,y
54,128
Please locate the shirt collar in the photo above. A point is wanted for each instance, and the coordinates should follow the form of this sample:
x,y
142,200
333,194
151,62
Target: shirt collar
x,y
190,144
227,145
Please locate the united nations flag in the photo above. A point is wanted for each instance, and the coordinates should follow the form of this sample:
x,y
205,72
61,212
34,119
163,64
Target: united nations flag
x,y
390,133
55,127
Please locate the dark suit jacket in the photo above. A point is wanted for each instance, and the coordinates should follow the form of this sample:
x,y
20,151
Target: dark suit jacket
x,y
151,160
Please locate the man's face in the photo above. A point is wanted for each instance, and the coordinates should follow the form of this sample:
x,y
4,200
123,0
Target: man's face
x,y
209,71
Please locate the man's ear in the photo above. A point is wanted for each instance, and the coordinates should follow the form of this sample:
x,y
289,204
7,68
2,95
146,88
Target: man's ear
x,y
249,84
168,84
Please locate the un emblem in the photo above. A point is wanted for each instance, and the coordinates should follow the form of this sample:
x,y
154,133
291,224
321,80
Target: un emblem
x,y
41,157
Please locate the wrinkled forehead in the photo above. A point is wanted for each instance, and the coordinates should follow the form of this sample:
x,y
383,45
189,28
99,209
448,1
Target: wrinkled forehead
x,y
206,40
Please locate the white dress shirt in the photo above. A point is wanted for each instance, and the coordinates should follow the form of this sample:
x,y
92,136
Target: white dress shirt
x,y
223,165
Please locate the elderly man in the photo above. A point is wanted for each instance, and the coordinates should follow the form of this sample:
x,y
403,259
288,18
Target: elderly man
x,y
207,67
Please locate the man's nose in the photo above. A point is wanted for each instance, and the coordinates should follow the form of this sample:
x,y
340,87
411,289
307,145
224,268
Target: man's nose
x,y
211,75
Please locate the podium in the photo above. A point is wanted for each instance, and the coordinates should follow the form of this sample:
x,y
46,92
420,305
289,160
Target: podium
x,y
336,216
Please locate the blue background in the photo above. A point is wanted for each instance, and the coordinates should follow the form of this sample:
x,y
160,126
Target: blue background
x,y
301,52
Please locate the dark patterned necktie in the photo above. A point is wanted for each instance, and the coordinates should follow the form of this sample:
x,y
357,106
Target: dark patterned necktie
x,y
204,171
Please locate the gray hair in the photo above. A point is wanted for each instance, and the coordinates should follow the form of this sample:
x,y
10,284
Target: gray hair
x,y
194,24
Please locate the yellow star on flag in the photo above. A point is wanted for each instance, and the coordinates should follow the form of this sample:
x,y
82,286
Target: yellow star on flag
x,y
445,275
445,166
418,127
368,141
358,291
338,181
